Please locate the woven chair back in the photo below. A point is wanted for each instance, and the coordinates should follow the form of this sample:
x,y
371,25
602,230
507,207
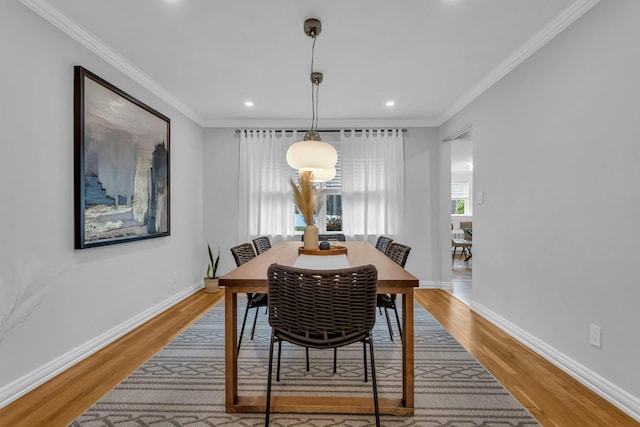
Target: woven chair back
x,y
243,253
262,244
382,244
322,308
398,253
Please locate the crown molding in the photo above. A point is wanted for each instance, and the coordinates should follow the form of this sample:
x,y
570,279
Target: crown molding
x,y
555,27
102,50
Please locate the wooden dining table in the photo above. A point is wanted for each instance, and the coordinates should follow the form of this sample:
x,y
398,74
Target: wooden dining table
x,y
251,277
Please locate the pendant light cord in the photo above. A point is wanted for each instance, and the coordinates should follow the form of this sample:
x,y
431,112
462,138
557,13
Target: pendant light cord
x,y
314,103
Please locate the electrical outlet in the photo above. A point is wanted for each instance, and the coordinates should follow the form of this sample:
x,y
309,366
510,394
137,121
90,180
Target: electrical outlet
x,y
595,336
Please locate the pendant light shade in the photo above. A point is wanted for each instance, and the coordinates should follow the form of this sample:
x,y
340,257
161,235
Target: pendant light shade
x,y
324,175
314,156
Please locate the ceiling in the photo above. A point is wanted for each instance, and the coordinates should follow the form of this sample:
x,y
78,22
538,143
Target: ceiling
x,y
207,57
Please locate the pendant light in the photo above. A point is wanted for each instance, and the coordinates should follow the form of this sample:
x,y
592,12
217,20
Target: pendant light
x,y
312,154
324,175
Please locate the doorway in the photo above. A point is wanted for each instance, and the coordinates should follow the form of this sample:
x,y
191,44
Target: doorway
x,y
462,214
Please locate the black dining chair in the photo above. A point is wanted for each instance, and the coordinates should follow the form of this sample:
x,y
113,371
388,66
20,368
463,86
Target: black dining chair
x,y
322,309
262,244
398,254
382,244
242,254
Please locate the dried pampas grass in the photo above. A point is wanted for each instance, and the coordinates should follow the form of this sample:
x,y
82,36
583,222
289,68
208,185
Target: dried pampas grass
x,y
308,199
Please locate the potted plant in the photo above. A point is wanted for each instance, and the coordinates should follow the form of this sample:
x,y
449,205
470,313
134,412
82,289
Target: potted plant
x,y
211,281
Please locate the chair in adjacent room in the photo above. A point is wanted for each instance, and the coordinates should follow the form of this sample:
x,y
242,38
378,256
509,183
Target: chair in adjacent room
x,y
463,244
382,244
467,228
262,244
398,254
322,309
242,254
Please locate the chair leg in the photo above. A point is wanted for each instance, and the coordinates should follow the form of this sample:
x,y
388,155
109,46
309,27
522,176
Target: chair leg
x,y
386,313
335,360
364,352
454,255
255,319
306,350
398,320
279,353
268,403
244,321
373,380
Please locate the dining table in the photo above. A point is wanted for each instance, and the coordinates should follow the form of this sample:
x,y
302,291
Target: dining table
x,y
251,277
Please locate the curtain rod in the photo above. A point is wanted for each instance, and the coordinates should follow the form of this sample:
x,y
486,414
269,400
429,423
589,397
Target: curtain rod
x,y
404,130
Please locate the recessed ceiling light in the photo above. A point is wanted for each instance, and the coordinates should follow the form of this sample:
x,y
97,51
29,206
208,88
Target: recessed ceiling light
x,y
248,103
390,103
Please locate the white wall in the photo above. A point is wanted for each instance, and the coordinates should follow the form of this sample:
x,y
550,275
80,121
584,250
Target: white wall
x,y
221,161
422,207
558,137
70,300
422,159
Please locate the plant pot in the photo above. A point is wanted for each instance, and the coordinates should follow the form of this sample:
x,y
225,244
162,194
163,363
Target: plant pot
x,y
311,237
211,285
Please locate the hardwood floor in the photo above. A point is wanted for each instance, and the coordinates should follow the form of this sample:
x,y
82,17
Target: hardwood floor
x,y
461,279
554,398
551,396
62,399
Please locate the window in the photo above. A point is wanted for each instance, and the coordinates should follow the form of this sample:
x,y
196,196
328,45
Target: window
x,y
460,200
329,218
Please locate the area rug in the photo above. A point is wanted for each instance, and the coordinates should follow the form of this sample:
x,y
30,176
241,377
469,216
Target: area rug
x,y
183,384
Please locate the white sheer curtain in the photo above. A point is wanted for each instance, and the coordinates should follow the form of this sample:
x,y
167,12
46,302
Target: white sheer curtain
x,y
372,183
266,206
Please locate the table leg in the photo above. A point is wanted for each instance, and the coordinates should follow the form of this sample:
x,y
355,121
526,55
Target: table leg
x,y
407,350
231,346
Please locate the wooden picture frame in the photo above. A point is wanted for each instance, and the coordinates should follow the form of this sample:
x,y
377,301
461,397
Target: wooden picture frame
x,y
122,165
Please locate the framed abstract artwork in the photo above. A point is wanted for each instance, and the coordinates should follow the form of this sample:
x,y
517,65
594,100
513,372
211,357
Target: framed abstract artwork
x,y
121,165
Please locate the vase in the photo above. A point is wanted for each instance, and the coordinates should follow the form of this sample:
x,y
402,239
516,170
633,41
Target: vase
x,y
311,237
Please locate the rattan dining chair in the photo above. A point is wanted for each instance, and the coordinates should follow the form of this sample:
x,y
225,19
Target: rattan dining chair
x,y
262,244
241,254
382,244
398,254
322,309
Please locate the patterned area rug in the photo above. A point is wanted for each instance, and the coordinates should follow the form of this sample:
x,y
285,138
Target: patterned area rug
x,y
183,384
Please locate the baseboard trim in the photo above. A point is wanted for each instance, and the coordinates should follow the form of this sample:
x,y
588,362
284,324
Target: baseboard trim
x,y
37,377
434,284
622,399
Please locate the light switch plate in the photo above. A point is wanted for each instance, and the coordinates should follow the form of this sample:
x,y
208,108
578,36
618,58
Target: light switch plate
x,y
480,197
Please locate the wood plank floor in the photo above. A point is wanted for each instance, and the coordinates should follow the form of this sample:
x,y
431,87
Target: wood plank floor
x,y
551,396
554,398
62,399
